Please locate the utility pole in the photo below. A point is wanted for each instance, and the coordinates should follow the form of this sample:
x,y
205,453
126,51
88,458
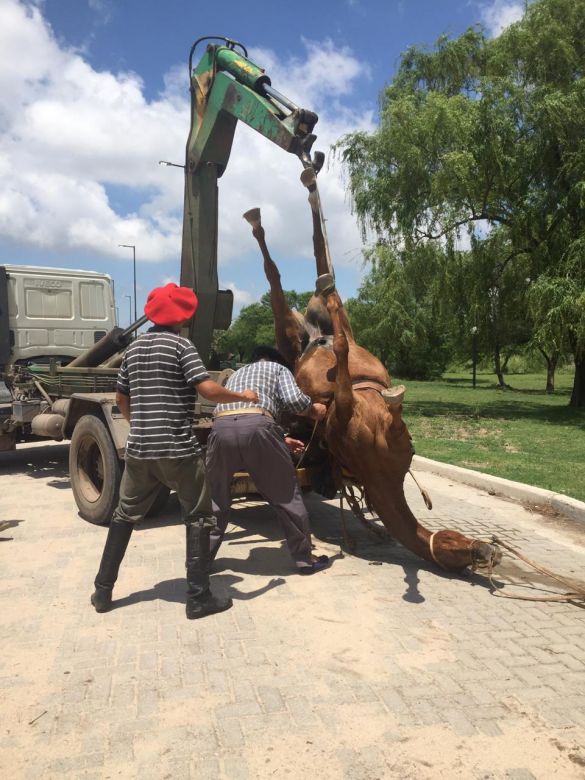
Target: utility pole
x,y
133,248
129,309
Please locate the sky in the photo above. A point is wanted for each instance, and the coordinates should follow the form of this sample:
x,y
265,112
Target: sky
x,y
93,93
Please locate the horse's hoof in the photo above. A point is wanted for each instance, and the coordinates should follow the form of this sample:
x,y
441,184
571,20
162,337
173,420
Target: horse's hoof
x,y
325,284
253,217
318,160
393,395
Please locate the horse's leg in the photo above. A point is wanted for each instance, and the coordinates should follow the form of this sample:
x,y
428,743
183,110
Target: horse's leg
x,y
317,308
344,320
318,242
288,328
343,396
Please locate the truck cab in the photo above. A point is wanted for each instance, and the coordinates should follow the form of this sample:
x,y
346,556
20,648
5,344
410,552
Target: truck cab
x,y
52,313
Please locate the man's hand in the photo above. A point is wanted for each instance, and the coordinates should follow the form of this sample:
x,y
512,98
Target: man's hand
x,y
221,395
295,446
318,411
123,404
250,395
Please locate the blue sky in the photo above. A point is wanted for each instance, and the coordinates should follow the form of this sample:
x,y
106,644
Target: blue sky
x,y
94,92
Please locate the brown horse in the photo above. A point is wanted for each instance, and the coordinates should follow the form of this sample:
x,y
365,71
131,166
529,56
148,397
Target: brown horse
x,y
364,433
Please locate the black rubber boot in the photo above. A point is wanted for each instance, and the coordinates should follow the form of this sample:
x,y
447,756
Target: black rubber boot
x,y
119,535
200,600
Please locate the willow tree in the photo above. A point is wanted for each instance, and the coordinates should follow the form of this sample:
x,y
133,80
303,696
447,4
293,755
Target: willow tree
x,y
398,313
482,134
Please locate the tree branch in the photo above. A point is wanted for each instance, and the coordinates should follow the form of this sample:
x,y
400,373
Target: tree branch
x,y
460,222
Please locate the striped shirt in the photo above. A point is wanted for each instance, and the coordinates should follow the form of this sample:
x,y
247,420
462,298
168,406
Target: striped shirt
x,y
159,372
275,385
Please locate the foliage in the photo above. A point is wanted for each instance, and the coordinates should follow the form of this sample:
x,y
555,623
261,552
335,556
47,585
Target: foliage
x,y
397,313
487,136
489,288
255,325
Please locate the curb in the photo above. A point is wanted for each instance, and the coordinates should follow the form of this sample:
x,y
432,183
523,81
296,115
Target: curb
x,y
504,487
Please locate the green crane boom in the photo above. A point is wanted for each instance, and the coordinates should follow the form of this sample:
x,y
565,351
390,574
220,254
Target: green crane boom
x,y
226,87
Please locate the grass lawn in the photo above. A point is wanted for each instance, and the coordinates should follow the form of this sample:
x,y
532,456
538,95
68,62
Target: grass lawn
x,y
521,434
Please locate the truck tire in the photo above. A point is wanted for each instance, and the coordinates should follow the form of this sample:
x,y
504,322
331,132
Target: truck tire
x,y
95,470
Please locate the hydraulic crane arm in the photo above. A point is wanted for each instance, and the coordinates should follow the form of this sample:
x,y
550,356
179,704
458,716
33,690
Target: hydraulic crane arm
x,y
226,87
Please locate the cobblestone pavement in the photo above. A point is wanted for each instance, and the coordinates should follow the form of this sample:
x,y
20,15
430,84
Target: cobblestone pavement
x,y
380,667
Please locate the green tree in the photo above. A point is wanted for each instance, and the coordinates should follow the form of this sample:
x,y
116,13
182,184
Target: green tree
x,y
398,313
255,325
480,134
490,284
557,307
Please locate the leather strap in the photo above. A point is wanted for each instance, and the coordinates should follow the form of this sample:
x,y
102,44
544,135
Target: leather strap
x,y
368,384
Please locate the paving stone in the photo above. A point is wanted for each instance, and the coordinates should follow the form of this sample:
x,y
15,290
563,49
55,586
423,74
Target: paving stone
x,y
302,712
205,769
230,733
271,699
488,727
305,669
462,726
238,709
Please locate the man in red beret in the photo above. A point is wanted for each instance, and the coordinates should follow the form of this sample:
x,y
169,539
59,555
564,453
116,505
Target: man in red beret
x,y
159,379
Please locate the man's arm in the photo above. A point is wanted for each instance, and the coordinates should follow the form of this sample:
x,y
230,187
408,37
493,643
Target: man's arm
x,y
123,390
195,374
221,395
295,400
123,404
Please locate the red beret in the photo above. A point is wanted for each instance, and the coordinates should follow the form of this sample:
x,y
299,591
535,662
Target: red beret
x,y
170,304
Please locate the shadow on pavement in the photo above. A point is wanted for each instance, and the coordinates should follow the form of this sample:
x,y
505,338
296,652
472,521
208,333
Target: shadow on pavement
x,y
5,525
174,591
326,526
256,523
45,460
252,524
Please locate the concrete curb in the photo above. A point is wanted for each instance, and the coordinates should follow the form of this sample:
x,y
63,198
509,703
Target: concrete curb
x,y
504,487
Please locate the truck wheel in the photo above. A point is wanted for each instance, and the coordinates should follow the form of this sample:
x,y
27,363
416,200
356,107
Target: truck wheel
x,y
95,470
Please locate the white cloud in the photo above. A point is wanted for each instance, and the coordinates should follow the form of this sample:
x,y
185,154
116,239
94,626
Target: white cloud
x,y
71,135
241,297
501,14
260,174
102,8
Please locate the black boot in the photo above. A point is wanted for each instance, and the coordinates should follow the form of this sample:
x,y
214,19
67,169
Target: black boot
x,y
200,600
118,537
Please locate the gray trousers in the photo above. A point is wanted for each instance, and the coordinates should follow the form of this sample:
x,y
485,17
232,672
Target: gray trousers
x,y
255,443
143,478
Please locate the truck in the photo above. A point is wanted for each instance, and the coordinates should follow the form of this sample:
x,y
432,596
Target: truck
x,y
52,313
77,401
